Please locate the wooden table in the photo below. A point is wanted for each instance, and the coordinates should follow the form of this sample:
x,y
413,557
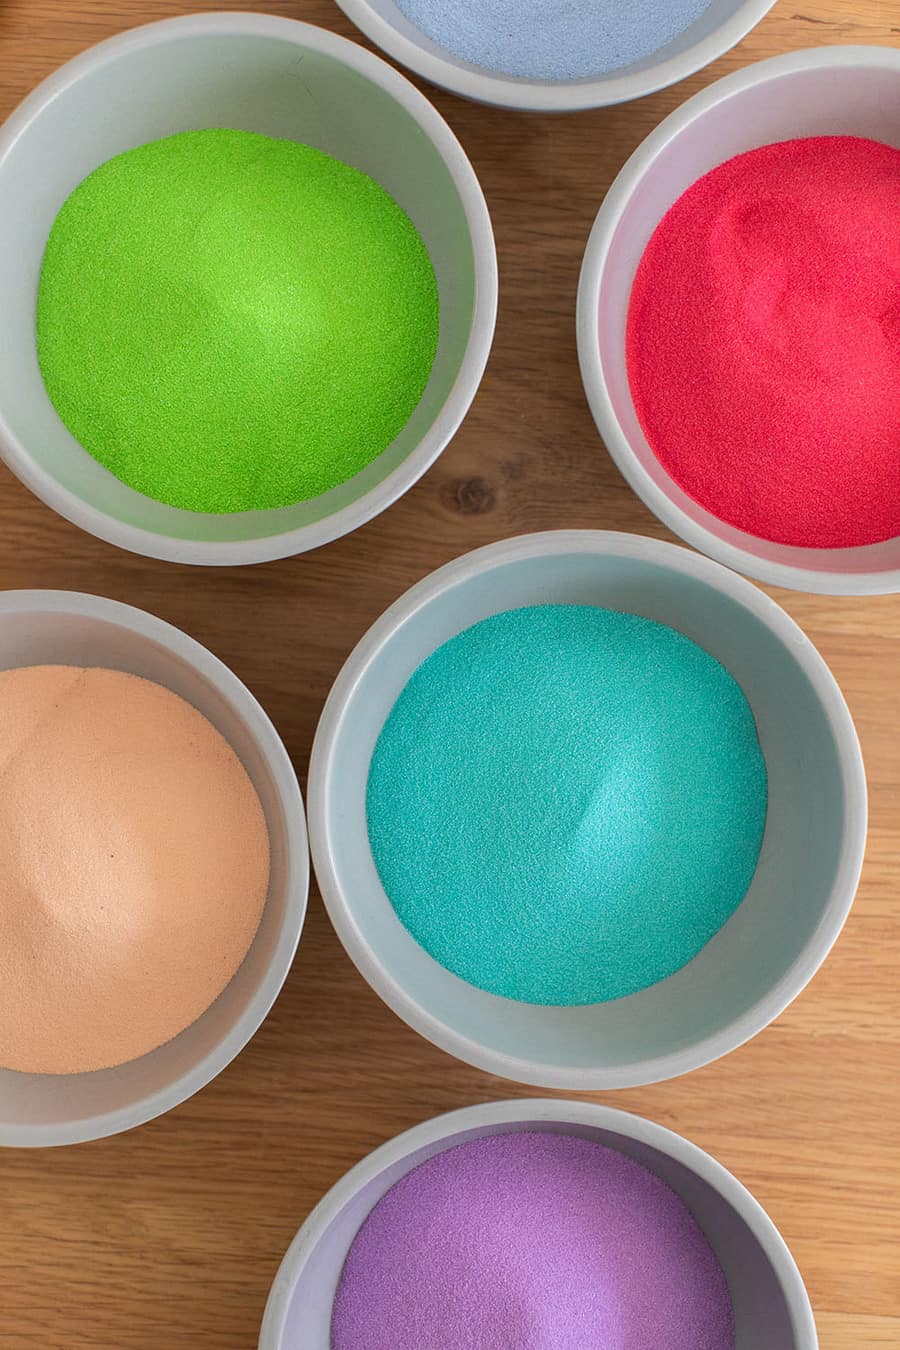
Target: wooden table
x,y
169,1236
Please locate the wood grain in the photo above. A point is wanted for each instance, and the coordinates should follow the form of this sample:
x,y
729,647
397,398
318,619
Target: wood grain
x,y
169,1236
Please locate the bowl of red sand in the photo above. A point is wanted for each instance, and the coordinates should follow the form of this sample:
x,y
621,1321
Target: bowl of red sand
x,y
586,809
249,288
538,1224
739,321
153,867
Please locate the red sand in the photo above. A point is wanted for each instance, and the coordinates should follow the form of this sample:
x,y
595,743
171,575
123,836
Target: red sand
x,y
764,342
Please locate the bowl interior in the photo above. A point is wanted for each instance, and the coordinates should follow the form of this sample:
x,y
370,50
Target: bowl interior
x,y
718,13
799,879
191,80
853,99
761,1311
43,1102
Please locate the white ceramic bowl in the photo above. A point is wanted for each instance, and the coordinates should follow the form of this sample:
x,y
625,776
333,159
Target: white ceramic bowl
x,y
65,628
771,1306
281,78
716,32
829,91
812,849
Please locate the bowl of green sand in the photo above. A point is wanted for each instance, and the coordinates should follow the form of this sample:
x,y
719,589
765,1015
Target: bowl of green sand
x,y
586,809
250,288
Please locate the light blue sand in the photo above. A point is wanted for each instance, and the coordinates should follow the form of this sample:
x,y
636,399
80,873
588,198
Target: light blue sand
x,y
553,39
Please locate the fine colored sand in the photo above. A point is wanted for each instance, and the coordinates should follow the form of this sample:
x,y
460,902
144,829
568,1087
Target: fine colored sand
x,y
529,1241
553,39
566,803
134,866
764,342
230,322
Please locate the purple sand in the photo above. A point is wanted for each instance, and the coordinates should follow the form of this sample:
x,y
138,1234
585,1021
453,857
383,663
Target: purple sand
x,y
531,1241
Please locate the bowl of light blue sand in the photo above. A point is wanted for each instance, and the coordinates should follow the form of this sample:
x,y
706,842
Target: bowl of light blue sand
x,y
586,809
555,55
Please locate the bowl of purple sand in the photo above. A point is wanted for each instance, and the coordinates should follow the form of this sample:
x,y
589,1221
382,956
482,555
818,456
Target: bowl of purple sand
x,y
290,82
544,1225
546,57
813,97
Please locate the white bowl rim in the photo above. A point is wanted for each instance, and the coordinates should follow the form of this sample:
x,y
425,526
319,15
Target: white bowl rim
x,y
545,1111
792,577
147,626
528,95
767,1008
289,542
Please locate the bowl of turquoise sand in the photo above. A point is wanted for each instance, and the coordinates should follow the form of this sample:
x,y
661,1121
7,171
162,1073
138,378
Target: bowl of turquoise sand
x,y
249,288
587,810
546,56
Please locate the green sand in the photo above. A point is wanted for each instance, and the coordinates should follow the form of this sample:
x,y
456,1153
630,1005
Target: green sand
x,y
229,322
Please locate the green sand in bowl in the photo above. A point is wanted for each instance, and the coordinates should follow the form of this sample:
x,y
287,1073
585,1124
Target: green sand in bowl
x,y
230,322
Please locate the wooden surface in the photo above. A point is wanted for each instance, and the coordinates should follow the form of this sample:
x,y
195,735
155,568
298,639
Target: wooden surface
x,y
169,1236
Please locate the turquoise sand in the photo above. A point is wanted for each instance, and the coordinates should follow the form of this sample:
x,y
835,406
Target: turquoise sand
x,y
566,803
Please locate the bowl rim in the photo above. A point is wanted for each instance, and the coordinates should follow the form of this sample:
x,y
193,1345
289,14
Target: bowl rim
x,y
793,577
148,628
542,1111
527,95
302,538
689,564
